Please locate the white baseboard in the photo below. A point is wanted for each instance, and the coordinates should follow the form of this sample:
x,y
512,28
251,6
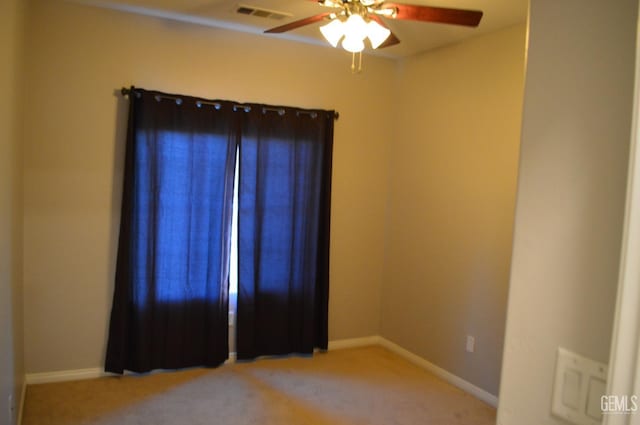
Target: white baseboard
x,y
487,397
466,386
233,357
340,344
97,372
64,375
23,394
89,373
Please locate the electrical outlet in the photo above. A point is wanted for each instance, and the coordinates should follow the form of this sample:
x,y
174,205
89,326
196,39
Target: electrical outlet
x,y
471,344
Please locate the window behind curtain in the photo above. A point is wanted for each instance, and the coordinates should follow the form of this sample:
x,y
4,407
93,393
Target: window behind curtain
x,y
179,192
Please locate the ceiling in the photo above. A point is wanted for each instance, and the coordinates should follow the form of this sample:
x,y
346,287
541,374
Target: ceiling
x,y
416,37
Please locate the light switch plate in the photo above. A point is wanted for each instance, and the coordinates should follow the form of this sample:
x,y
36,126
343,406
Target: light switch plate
x,y
571,388
579,384
596,388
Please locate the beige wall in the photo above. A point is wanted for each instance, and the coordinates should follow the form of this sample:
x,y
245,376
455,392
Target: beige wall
x,y
78,57
447,168
571,193
451,204
11,354
452,150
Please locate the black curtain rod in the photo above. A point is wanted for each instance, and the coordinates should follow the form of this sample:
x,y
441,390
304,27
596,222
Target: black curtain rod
x,y
125,92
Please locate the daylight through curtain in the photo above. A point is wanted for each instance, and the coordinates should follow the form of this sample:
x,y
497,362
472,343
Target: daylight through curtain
x,y
283,225
170,303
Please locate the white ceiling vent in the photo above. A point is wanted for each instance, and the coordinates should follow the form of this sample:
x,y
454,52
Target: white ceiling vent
x,y
243,9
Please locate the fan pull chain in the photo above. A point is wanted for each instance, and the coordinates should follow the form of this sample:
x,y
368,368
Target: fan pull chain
x,y
353,63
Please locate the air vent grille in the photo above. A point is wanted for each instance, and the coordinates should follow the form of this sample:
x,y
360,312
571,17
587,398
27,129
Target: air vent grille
x,y
261,13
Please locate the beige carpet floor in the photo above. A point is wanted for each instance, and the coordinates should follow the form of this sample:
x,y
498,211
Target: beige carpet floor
x,y
359,386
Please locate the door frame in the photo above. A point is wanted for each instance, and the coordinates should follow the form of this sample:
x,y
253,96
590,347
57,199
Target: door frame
x,y
624,367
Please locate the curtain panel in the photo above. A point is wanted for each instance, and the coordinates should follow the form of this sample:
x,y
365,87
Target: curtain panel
x,y
283,226
170,305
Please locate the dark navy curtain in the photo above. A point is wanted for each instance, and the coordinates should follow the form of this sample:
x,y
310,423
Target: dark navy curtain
x,y
170,306
283,225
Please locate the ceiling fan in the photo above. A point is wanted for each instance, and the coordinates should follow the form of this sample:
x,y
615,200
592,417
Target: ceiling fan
x,y
354,21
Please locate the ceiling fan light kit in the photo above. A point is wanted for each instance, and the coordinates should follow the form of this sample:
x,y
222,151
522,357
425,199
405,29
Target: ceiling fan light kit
x,y
359,20
333,32
354,30
377,34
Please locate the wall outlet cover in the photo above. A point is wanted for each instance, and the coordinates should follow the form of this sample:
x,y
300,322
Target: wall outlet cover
x,y
471,344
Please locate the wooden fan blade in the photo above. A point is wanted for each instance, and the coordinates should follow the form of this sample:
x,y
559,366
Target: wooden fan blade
x,y
392,40
297,24
470,18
